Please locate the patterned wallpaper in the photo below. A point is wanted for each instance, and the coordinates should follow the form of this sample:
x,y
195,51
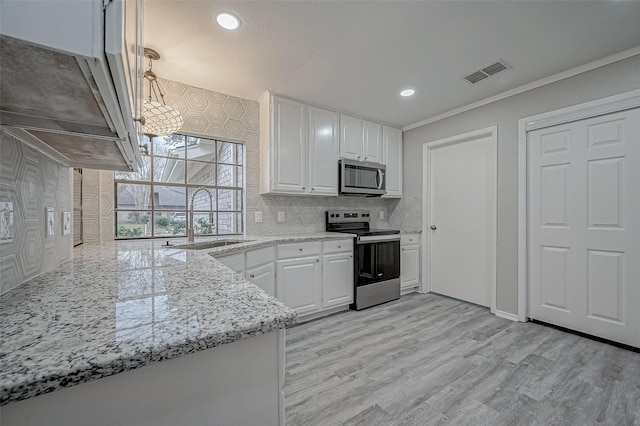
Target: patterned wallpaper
x,y
32,181
217,115
97,206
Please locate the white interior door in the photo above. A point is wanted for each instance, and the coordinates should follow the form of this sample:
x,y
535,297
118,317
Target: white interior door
x,y
461,220
584,225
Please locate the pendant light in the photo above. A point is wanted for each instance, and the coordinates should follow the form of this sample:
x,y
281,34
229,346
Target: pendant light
x,y
159,118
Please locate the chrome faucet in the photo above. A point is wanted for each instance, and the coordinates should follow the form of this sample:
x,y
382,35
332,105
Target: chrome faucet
x,y
191,228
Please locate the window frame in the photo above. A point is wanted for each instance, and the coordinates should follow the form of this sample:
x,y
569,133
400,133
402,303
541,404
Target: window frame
x,y
239,193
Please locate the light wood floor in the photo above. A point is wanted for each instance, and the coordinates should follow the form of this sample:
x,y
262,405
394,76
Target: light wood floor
x,y
430,360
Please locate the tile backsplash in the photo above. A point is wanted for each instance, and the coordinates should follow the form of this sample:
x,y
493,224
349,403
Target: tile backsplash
x,y
32,181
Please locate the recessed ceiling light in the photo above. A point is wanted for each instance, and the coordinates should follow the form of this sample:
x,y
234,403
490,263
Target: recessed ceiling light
x,y
407,92
228,21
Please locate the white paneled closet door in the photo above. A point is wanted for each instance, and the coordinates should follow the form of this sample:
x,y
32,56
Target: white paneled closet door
x,y
584,226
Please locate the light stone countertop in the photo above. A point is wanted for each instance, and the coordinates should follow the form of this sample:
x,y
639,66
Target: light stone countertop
x,y
127,304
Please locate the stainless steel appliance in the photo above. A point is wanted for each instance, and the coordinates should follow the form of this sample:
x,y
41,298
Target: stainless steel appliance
x,y
377,257
362,179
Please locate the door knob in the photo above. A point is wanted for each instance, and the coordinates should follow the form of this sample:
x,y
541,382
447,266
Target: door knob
x,y
433,227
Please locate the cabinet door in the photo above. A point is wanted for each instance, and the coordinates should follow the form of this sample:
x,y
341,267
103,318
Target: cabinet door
x,y
264,277
299,284
337,279
409,266
350,137
323,151
392,142
372,137
235,262
289,159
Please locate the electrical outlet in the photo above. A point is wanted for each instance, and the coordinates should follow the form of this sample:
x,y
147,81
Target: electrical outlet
x,y
280,216
381,214
258,217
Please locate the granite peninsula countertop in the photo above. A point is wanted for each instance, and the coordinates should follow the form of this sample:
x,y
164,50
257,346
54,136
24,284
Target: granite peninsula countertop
x,y
127,304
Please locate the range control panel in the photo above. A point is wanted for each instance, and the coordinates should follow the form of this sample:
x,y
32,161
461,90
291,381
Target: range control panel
x,y
348,216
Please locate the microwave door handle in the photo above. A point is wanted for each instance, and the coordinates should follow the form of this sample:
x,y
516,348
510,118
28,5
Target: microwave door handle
x,y
380,179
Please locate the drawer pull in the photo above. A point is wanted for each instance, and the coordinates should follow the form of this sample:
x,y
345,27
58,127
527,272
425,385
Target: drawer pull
x,y
299,249
339,246
252,275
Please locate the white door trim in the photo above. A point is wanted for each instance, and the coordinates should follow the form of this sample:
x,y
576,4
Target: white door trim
x,y
491,132
582,111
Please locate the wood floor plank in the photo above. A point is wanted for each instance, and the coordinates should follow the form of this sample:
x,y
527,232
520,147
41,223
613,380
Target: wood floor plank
x,y
431,360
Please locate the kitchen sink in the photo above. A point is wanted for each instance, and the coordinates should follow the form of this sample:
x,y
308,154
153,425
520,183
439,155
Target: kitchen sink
x,y
210,244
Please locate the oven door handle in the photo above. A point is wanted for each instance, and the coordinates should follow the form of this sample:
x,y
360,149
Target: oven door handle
x,y
377,239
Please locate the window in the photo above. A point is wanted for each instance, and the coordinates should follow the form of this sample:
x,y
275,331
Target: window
x,y
155,201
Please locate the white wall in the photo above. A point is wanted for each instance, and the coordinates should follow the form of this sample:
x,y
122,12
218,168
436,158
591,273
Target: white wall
x,y
609,80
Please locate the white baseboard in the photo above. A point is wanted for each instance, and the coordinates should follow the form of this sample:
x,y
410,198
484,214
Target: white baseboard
x,y
506,315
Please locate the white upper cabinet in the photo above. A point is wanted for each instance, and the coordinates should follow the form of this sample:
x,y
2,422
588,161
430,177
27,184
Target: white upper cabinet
x,y
372,142
392,143
323,151
350,138
289,146
298,148
360,140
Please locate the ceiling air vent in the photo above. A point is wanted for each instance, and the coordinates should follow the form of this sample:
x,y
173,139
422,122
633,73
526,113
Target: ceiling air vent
x,y
487,71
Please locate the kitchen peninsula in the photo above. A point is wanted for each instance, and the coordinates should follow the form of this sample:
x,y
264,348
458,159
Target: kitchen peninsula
x,y
115,311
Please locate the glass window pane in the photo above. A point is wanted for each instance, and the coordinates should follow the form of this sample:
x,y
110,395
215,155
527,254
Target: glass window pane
x,y
229,175
182,165
144,173
226,152
204,223
229,223
201,149
168,170
169,146
169,197
133,224
201,173
239,153
239,200
170,224
202,201
133,196
229,199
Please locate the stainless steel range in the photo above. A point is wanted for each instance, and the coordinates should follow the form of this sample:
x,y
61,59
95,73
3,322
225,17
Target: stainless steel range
x,y
377,257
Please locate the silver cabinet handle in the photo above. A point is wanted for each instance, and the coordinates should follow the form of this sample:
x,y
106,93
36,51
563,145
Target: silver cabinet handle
x,y
299,249
317,260
433,227
339,246
252,275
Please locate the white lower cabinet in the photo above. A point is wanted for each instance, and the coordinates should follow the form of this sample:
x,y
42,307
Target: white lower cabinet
x,y
264,277
309,285
409,261
337,273
235,262
309,277
337,279
299,284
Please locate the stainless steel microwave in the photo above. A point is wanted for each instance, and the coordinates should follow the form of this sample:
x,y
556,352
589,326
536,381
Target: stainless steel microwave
x,y
362,179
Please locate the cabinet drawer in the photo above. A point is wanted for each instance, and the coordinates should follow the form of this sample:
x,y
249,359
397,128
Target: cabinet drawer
x,y
312,248
409,239
235,262
337,246
259,257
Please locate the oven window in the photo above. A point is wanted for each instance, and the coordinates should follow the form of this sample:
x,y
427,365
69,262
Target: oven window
x,y
377,262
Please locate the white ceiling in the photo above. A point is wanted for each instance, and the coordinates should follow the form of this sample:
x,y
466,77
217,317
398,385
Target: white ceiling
x,y
356,56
